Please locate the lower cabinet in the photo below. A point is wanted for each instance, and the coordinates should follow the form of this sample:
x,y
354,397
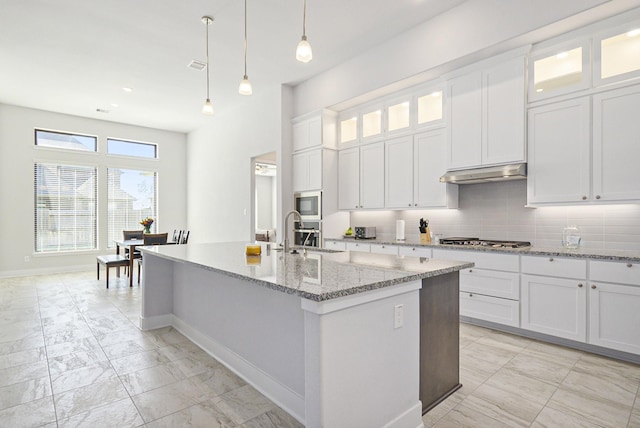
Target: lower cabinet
x,y
554,306
614,318
488,308
384,249
335,245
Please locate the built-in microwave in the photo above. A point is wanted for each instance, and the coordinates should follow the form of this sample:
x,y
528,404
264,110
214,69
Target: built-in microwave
x,y
309,205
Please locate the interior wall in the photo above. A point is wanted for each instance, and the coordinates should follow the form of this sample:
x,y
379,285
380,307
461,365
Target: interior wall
x,y
265,202
17,156
498,211
219,156
471,31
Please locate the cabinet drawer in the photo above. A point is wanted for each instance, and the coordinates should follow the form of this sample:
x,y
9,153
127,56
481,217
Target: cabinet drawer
x,y
335,245
494,309
490,283
482,260
620,272
414,251
384,249
554,266
358,246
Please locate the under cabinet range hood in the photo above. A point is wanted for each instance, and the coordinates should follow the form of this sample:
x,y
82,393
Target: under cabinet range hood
x,y
516,171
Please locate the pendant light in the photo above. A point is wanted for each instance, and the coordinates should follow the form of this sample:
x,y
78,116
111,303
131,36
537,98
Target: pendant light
x,y
303,52
245,85
207,108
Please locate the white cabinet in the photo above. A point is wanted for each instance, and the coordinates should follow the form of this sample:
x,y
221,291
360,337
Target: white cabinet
x,y
384,249
558,160
614,319
490,290
616,144
335,245
414,251
555,304
361,177
358,246
314,130
307,170
486,116
413,166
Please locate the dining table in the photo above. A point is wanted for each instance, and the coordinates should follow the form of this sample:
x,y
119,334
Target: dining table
x,y
132,244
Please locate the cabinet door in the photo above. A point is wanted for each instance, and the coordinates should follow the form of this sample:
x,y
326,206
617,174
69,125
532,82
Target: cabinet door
x,y
335,245
372,176
464,121
315,132
300,172
414,251
300,135
554,306
558,169
315,169
614,319
430,160
399,172
349,179
503,113
358,246
616,144
384,249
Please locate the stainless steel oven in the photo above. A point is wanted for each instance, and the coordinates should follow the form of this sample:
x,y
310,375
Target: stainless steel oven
x,y
309,205
309,235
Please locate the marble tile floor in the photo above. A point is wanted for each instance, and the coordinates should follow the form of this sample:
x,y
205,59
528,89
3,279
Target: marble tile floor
x,y
71,355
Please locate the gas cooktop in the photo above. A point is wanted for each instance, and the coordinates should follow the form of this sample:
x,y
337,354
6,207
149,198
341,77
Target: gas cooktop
x,y
477,242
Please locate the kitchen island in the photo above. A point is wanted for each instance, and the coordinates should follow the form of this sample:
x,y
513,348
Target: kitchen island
x,y
333,338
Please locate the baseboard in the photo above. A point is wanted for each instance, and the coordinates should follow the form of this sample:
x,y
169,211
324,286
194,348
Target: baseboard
x,y
46,271
290,401
408,418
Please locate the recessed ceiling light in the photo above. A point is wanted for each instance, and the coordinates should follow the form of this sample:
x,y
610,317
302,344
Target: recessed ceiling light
x,y
102,110
197,65
126,89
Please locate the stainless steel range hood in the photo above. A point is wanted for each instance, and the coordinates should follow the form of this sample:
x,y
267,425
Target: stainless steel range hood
x,y
516,171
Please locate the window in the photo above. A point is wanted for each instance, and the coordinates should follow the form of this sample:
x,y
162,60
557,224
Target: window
x,y
62,140
65,208
130,148
132,196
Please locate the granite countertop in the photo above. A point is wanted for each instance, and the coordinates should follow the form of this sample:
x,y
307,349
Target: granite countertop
x,y
583,253
318,276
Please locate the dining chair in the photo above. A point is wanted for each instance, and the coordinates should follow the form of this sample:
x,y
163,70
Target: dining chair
x,y
185,237
152,239
177,234
131,234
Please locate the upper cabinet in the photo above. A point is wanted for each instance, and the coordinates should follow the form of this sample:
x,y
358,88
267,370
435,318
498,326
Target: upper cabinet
x,y
317,129
361,177
485,120
559,70
420,107
617,54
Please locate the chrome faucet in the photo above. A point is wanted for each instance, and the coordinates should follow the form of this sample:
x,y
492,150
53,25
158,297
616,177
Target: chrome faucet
x,y
286,230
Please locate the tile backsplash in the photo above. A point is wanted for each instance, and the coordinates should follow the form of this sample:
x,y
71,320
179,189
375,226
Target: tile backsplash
x,y
497,211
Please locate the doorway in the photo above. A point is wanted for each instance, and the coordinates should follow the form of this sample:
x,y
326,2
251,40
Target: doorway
x,y
265,185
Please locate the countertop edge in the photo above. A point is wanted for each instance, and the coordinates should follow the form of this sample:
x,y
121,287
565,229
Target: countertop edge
x,y
607,255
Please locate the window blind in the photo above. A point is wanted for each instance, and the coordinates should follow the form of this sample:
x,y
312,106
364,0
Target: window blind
x,y
65,207
132,196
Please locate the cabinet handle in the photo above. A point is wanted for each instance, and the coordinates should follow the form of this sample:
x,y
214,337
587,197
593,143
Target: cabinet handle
x,y
470,270
413,249
593,287
579,285
383,246
629,265
409,204
597,196
415,205
584,198
550,259
357,206
470,294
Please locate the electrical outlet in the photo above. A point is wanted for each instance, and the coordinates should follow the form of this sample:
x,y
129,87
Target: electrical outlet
x,y
27,258
398,316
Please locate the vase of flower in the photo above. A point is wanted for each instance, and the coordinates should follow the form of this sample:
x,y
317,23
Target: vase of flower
x,y
146,224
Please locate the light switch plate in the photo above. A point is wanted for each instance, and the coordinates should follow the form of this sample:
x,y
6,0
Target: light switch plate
x,y
398,316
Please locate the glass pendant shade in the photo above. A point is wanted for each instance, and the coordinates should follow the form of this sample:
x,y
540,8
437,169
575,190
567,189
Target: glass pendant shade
x,y
207,108
245,86
303,52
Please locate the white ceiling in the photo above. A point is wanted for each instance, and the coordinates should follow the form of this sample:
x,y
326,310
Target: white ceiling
x,y
75,56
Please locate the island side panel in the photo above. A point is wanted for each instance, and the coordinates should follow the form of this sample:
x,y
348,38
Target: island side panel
x,y
439,339
255,331
361,371
157,292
